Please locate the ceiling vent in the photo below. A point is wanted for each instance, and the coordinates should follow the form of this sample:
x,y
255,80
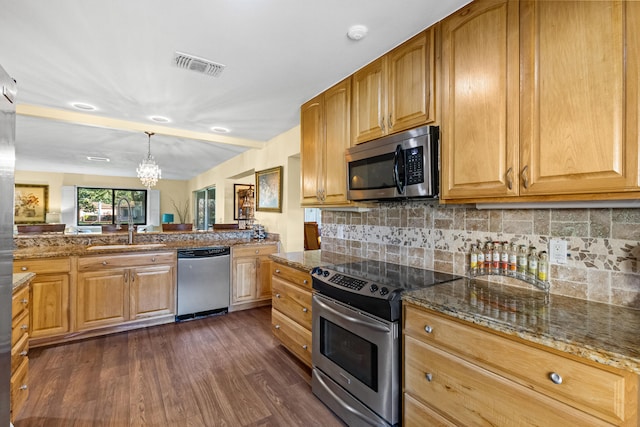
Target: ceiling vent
x,y
201,65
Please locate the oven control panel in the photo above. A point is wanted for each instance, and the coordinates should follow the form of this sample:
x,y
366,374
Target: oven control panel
x,y
359,286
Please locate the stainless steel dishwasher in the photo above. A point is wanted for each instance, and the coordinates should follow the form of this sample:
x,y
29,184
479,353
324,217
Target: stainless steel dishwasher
x,y
203,281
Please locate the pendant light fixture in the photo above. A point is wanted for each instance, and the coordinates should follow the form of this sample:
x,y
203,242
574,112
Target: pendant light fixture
x,y
148,171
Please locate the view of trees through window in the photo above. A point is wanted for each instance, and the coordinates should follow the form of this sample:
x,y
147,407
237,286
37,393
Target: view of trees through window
x,y
205,208
98,206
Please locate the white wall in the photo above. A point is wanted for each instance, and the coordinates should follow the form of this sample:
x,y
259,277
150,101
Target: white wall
x,y
283,150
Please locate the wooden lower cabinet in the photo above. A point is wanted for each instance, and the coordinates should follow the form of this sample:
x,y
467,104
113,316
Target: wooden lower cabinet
x,y
119,289
291,310
19,391
468,375
50,314
250,275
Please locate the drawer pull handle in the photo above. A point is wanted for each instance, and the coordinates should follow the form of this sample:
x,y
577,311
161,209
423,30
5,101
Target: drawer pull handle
x,y
277,295
257,251
104,262
555,378
24,301
23,387
428,376
277,326
305,281
304,347
428,329
23,353
24,268
277,270
24,327
305,309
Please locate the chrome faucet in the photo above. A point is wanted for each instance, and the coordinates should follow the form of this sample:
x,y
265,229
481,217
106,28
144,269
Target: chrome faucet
x,y
130,218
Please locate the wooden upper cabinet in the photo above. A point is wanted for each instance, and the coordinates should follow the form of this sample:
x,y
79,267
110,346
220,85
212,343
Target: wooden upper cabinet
x,y
579,105
540,101
395,92
479,135
325,135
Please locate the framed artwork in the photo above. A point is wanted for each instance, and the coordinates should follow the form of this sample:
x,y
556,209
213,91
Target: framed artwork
x,y
242,201
30,203
269,190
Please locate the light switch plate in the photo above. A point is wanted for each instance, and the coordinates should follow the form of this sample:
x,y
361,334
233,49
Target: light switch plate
x,y
558,251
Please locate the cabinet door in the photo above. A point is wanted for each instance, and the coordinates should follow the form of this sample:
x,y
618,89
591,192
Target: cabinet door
x,y
368,102
479,138
411,83
152,291
50,305
337,105
311,149
103,298
579,115
263,275
244,279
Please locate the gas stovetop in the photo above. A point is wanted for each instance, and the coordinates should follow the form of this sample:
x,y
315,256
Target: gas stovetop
x,y
374,287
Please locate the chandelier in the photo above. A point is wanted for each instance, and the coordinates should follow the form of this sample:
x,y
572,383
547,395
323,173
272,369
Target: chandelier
x,y
148,171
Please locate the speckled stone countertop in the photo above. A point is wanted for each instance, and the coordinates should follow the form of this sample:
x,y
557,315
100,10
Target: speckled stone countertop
x,y
21,279
306,260
50,246
603,333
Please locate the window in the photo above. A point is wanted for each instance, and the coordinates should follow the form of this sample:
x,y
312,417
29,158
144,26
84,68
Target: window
x,y
205,208
98,206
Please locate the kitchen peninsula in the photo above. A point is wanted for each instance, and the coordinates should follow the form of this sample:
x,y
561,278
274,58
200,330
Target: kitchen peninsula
x,y
94,284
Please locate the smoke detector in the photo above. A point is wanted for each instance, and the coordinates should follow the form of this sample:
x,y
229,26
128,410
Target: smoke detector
x,y
200,65
357,32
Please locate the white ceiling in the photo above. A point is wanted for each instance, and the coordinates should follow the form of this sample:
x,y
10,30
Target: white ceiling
x,y
118,56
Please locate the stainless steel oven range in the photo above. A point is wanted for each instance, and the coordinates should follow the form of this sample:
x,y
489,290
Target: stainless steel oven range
x,y
356,337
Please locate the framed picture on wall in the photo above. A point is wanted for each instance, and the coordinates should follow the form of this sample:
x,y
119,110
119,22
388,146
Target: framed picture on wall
x,y
269,190
31,203
242,201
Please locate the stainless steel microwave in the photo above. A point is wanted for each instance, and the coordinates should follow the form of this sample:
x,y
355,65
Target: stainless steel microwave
x,y
400,166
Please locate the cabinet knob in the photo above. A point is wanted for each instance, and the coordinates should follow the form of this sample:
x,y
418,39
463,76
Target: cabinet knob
x,y
304,347
555,378
23,353
278,270
305,281
277,326
24,268
24,327
23,387
428,376
104,263
305,309
277,295
153,259
24,301
428,329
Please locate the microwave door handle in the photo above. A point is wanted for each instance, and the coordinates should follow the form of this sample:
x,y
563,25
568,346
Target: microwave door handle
x,y
396,169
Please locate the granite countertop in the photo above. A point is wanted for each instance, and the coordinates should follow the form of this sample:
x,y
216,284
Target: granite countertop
x,y
602,333
21,279
82,246
306,260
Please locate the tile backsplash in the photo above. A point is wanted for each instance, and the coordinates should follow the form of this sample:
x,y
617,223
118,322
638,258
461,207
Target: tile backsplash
x,y
603,244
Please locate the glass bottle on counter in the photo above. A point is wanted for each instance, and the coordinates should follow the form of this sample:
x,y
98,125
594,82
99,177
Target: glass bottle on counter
x,y
532,260
495,260
481,269
513,260
543,267
522,262
504,259
473,261
488,257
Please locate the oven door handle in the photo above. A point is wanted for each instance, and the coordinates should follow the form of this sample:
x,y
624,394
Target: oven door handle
x,y
375,326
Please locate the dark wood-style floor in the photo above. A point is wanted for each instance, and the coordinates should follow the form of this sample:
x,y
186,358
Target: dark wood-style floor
x,y
225,370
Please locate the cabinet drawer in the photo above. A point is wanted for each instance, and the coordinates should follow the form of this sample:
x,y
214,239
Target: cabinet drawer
x,y
20,327
293,336
254,250
101,262
472,395
42,266
19,302
293,275
19,352
597,391
19,391
292,301
417,414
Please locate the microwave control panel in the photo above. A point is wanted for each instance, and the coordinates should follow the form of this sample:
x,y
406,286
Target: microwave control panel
x,y
414,165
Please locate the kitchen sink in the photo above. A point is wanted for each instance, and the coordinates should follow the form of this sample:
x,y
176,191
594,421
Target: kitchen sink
x,y
132,246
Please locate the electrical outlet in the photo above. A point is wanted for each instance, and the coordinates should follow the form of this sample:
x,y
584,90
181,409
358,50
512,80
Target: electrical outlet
x,y
558,251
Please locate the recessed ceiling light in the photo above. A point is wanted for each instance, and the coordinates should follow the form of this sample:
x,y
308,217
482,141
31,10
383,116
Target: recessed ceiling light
x,y
159,119
98,159
220,129
357,32
83,106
